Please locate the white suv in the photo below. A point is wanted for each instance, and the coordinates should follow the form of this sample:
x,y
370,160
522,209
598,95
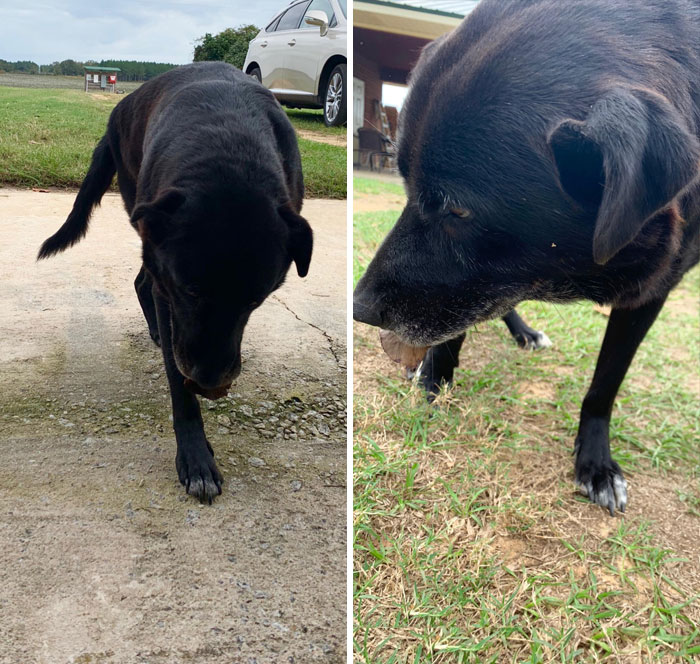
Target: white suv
x,y
301,57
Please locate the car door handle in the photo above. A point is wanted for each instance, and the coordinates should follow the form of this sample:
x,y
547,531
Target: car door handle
x,y
263,44
291,43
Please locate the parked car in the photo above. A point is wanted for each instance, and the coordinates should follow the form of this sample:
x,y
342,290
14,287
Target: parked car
x,y
301,57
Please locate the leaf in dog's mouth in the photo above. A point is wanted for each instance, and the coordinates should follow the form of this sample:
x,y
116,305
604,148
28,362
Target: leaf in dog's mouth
x,y
214,393
401,352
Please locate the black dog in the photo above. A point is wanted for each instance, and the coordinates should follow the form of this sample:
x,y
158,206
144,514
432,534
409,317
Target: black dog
x,y
210,173
550,151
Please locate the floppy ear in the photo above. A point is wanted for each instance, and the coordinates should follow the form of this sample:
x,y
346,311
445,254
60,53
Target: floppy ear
x,y
300,238
153,219
628,160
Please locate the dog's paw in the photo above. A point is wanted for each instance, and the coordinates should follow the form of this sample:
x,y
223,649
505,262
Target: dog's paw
x,y
432,389
429,383
603,483
198,474
533,340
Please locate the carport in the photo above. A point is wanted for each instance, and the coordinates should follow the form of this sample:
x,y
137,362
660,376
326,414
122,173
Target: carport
x,y
388,38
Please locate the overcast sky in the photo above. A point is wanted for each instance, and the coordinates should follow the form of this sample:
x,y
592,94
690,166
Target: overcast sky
x,y
46,31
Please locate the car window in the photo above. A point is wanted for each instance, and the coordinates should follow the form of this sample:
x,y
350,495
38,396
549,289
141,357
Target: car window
x,y
320,5
292,17
273,26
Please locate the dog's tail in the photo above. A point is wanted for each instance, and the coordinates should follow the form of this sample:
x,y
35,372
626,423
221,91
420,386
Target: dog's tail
x,y
96,182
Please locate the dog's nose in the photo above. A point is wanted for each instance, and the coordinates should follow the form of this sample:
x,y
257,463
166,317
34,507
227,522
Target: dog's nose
x,y
363,312
205,378
210,378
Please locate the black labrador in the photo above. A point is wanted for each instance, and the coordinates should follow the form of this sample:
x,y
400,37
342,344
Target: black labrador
x,y
210,173
550,151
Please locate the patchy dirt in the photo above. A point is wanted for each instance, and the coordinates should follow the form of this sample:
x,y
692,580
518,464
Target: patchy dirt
x,y
539,390
535,510
377,202
104,557
340,140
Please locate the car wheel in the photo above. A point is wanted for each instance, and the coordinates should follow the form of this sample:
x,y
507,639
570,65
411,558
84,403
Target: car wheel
x,y
335,98
256,73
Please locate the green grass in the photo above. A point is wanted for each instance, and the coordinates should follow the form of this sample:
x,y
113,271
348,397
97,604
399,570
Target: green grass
x,y
471,544
371,227
16,80
325,169
312,120
370,186
47,137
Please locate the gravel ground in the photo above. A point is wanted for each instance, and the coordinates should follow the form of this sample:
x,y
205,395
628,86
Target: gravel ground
x,y
104,557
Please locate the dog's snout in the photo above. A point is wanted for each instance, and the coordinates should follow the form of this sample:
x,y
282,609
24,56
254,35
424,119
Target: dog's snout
x,y
205,378
365,311
209,377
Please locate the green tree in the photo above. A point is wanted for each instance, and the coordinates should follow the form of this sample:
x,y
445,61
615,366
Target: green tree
x,y
70,68
136,70
231,45
23,66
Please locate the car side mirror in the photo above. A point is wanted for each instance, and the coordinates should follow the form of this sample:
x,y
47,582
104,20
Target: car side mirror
x,y
319,18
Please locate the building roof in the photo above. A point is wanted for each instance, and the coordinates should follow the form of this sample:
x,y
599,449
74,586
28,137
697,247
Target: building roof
x,y
456,8
423,19
86,68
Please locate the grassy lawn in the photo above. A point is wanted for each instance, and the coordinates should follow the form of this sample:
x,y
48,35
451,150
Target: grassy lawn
x,y
15,80
325,169
47,137
362,185
471,542
312,120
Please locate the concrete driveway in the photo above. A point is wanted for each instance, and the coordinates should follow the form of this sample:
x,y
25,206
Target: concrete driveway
x,y
104,558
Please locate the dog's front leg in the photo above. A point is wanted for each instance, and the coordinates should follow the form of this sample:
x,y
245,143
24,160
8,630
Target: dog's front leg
x,y
195,458
439,365
597,474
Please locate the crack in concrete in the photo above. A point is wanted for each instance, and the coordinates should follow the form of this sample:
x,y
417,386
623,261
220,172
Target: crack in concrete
x,y
327,336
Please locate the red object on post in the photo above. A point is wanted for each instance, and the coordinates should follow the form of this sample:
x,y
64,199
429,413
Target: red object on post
x,y
112,79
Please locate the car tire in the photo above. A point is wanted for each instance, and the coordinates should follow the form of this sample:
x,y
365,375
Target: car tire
x,y
335,97
256,73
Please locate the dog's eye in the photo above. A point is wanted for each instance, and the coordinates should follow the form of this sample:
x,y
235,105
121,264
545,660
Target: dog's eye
x,y
192,292
254,304
461,213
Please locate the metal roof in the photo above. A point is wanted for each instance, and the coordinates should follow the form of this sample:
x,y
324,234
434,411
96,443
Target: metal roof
x,y
91,68
457,8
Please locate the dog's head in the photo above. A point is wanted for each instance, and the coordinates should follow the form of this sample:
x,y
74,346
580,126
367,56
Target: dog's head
x,y
215,259
509,199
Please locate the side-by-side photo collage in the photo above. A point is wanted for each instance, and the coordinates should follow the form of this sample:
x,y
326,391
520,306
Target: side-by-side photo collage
x,y
350,331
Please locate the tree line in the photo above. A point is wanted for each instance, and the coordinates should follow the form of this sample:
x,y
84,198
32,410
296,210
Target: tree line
x,y
230,45
131,70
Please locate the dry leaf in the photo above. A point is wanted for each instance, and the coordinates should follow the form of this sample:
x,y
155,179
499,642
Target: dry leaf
x,y
213,394
401,352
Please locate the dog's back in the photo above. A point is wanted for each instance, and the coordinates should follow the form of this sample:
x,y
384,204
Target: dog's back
x,y
520,67
188,126
209,109
512,50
